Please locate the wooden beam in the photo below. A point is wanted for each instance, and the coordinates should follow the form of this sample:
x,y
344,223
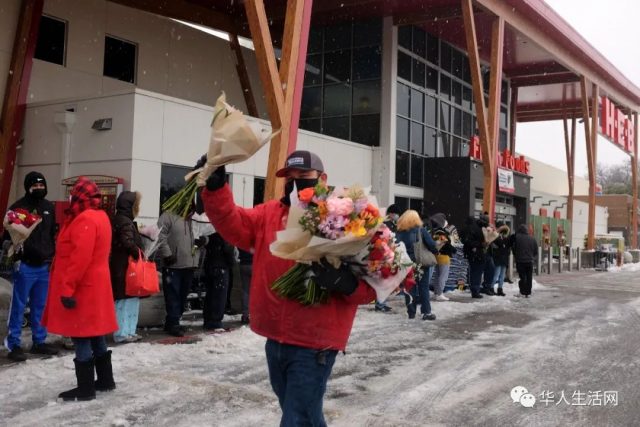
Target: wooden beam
x,y
544,79
590,162
495,81
634,185
245,82
15,96
569,145
535,69
513,119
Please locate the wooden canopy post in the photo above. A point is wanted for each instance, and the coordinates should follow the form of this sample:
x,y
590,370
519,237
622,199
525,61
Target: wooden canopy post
x,y
243,75
488,124
570,149
283,88
634,185
591,138
513,107
15,96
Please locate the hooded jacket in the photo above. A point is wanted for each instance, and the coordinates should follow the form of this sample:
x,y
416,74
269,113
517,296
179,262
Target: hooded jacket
x,y
176,238
39,248
126,240
525,247
501,247
473,239
322,326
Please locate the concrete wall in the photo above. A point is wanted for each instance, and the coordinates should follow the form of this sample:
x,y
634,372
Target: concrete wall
x,y
552,180
580,222
9,11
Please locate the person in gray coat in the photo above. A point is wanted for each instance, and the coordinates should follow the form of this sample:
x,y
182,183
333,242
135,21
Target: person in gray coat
x,y
525,252
179,251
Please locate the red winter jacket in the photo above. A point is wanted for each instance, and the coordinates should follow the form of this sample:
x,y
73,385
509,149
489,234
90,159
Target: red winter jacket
x,y
81,269
324,326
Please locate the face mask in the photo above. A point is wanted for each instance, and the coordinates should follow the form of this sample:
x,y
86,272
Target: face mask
x,y
39,193
302,183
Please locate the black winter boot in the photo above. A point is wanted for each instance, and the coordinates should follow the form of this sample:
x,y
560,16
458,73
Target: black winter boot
x,y
86,387
104,373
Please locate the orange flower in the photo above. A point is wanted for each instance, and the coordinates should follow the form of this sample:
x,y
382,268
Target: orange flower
x,y
306,195
322,209
356,228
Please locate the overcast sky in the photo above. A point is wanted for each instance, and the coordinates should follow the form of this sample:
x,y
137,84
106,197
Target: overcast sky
x,y
613,28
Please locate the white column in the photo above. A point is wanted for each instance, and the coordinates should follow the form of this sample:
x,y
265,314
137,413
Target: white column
x,y
65,121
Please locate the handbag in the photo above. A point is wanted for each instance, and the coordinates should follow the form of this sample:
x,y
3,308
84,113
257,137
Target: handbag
x,y
423,255
141,278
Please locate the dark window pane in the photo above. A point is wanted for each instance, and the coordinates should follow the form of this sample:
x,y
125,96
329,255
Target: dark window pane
x,y
312,125
367,33
311,102
417,108
171,181
432,49
457,121
417,171
486,79
416,137
464,149
337,66
466,126
120,59
466,70
504,94
366,97
419,42
402,134
402,203
337,127
430,140
366,129
402,168
503,118
404,99
404,66
404,36
445,87
444,117
313,70
51,42
432,80
315,40
456,92
466,98
503,144
258,190
337,100
444,145
367,62
445,57
337,37
418,73
430,110
456,63
456,146
417,205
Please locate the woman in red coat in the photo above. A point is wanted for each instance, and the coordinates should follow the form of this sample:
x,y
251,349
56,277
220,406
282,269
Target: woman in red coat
x,y
80,300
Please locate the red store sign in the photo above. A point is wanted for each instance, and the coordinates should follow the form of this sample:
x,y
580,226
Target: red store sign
x,y
615,126
505,159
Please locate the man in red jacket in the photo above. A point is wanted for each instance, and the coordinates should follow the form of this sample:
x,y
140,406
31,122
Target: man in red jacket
x,y
302,341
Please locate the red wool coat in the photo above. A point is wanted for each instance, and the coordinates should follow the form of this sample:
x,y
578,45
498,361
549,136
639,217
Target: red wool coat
x,y
81,269
323,326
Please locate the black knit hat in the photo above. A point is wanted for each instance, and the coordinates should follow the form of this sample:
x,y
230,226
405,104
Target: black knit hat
x,y
34,177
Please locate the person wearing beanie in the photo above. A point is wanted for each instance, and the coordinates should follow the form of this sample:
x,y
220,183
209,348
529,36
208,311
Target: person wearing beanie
x,y
31,270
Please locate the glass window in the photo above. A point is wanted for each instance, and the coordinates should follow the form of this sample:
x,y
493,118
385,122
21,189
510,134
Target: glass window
x,y
365,129
52,40
445,57
366,97
367,32
404,66
417,171
456,63
258,190
432,79
466,98
312,125
456,92
430,139
417,205
486,79
504,94
416,137
466,126
444,117
402,134
432,49
503,118
431,110
312,72
402,203
337,100
464,149
402,168
404,36
120,59
337,37
171,181
417,107
311,102
445,87
337,66
457,121
503,144
315,40
404,99
367,62
418,73
419,42
466,69
337,127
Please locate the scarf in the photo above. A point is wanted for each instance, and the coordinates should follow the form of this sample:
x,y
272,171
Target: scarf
x,y
84,195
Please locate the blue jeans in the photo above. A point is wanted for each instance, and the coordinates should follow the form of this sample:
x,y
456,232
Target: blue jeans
x,y
176,284
489,271
30,285
420,293
89,347
299,378
498,276
127,314
475,276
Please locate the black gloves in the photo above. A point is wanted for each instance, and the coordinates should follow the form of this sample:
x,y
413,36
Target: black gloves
x,y
200,241
170,260
68,302
135,255
217,179
334,279
201,162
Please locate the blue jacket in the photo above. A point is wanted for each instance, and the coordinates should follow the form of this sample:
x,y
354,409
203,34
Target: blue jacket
x,y
409,237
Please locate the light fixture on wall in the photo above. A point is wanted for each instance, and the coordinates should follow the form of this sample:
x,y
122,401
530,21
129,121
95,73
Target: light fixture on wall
x,y
102,124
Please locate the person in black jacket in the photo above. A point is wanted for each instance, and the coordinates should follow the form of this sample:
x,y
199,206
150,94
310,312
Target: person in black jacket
x,y
31,270
246,270
474,251
525,251
218,264
126,243
501,248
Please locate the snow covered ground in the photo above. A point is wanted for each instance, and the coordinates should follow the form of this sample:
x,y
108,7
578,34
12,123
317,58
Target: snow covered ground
x,y
458,370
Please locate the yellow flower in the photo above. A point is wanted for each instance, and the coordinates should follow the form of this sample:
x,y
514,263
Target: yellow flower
x,y
356,228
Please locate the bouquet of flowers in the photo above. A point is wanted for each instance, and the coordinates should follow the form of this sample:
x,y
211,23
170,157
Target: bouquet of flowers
x,y
233,139
20,223
341,225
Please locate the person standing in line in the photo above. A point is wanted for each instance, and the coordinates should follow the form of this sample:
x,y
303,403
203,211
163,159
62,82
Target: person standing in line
x,y
446,251
246,268
525,251
391,221
218,267
501,248
80,301
474,250
31,271
489,268
126,243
